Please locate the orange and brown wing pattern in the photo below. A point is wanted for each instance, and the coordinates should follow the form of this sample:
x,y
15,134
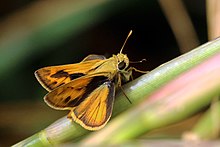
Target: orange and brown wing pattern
x,y
55,76
96,109
69,95
73,93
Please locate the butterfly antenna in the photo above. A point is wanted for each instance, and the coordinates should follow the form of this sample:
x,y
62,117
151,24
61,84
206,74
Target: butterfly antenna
x,y
125,41
143,60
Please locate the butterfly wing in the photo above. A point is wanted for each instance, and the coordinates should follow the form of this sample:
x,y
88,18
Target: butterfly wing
x,y
96,109
55,76
93,57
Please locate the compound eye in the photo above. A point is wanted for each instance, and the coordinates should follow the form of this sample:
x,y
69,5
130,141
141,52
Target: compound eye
x,y
121,65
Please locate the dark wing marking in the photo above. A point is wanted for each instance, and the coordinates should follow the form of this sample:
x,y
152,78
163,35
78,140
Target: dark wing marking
x,y
61,73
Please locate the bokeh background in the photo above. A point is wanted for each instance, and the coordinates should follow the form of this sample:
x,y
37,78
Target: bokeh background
x,y
34,34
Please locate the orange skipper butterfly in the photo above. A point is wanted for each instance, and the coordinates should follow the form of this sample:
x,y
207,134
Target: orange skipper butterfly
x,y
87,88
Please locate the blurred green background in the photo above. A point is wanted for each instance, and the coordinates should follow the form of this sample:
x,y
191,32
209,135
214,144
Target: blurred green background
x,y
34,34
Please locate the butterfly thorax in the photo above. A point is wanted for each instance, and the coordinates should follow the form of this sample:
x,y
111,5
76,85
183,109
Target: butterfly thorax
x,y
111,66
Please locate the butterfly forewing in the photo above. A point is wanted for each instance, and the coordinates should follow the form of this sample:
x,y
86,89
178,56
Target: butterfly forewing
x,y
55,76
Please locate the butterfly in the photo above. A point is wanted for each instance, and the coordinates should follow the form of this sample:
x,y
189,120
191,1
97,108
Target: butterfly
x,y
86,88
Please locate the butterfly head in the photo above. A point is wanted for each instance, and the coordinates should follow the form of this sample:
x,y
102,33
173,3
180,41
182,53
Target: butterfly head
x,y
123,61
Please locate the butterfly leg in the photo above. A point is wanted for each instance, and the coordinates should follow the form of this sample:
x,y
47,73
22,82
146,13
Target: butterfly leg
x,y
119,85
137,70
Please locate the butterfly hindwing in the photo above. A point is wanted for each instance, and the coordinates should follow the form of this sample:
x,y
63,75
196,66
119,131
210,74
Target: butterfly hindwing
x,y
93,57
95,110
